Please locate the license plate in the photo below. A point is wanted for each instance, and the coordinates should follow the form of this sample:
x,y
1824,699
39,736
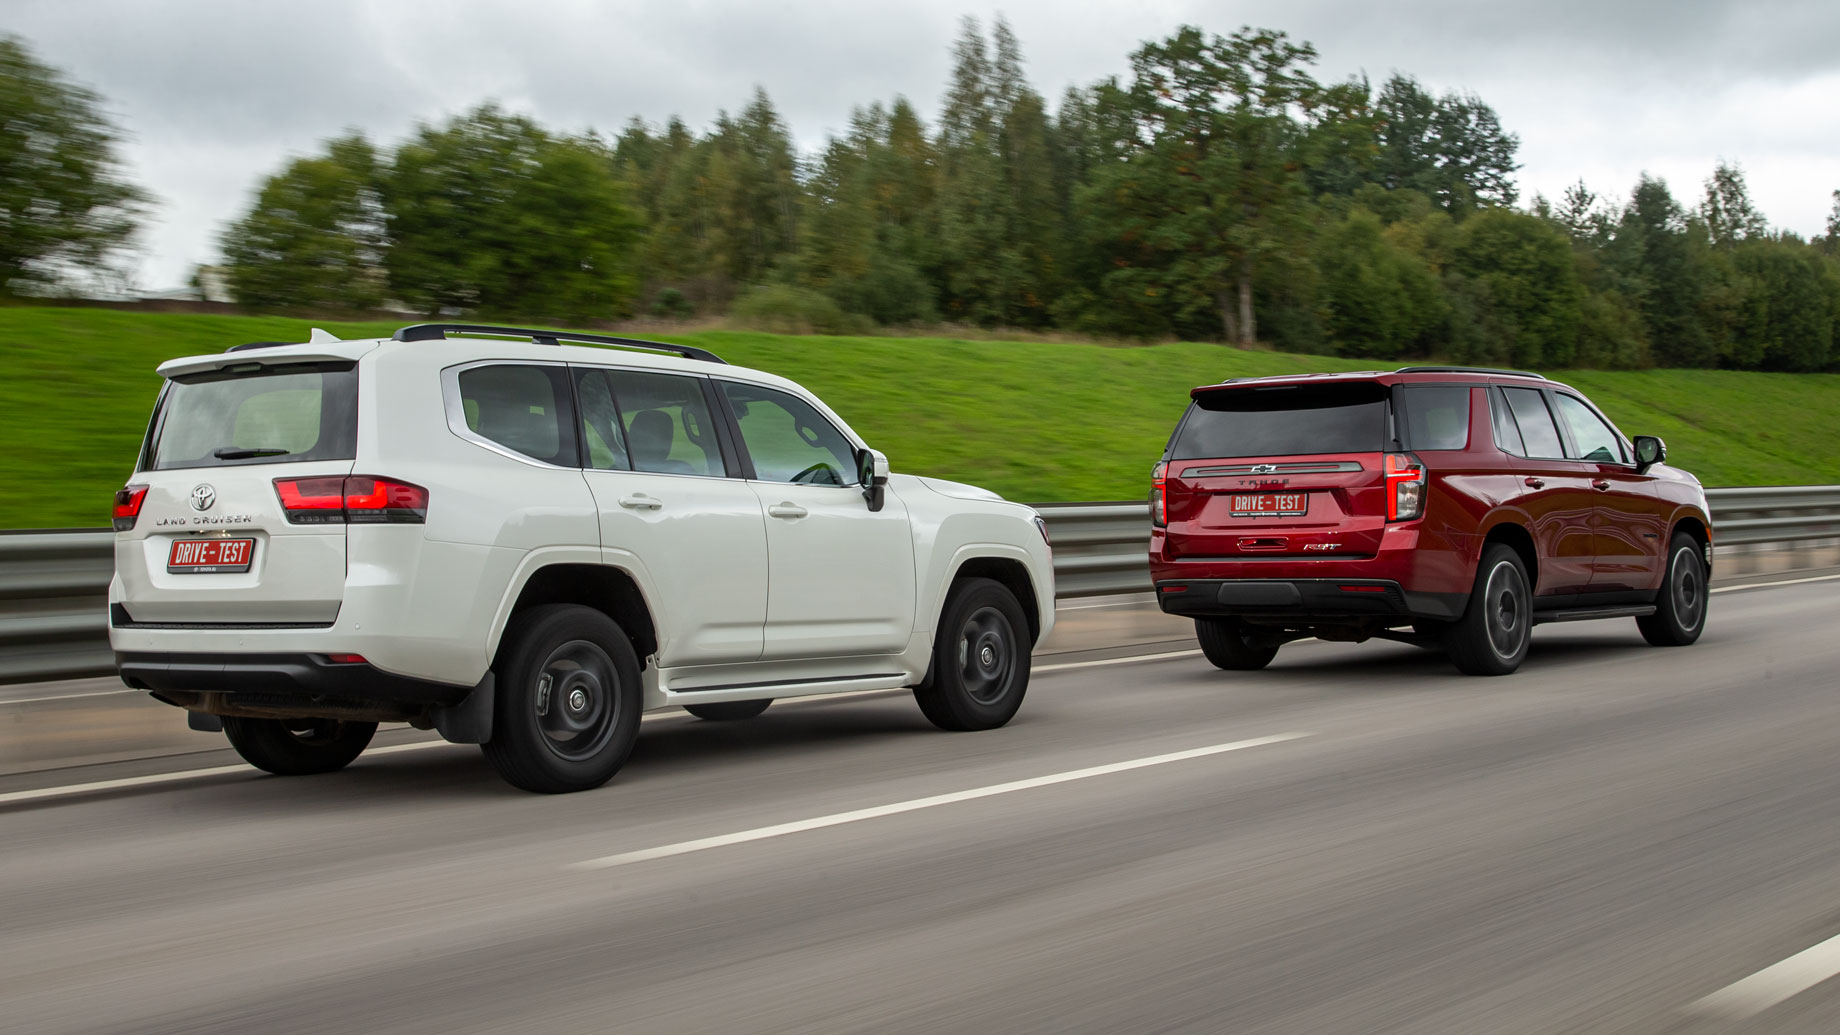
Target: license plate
x,y
210,556
1271,504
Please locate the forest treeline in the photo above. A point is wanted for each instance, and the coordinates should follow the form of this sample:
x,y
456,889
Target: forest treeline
x,y
1219,191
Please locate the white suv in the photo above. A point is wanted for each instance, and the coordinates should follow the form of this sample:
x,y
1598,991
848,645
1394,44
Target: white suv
x,y
526,543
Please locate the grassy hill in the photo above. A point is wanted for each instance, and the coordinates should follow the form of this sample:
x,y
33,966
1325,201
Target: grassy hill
x,y
1034,421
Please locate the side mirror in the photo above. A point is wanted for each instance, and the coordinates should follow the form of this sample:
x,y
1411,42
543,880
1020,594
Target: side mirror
x,y
1649,452
872,475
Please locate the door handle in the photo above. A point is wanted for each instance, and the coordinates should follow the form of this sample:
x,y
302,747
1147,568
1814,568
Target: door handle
x,y
787,510
640,502
1600,485
1536,483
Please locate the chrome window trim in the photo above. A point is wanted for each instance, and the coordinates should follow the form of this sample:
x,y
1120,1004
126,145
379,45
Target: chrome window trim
x,y
456,410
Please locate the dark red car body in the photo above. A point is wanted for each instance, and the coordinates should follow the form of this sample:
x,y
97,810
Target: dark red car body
x,y
1593,533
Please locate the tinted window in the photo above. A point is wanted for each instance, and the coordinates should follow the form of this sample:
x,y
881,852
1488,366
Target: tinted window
x,y
1507,436
603,437
1535,423
666,422
1284,421
284,414
1593,438
1437,416
788,440
523,408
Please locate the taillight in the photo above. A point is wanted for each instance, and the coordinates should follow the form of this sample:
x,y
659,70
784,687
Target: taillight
x,y
128,500
384,501
359,499
1159,496
1405,487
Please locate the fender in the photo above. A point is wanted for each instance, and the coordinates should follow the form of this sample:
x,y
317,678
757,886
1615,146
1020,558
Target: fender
x,y
542,557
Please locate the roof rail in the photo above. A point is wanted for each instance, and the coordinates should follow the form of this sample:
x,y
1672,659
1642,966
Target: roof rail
x,y
439,331
1470,370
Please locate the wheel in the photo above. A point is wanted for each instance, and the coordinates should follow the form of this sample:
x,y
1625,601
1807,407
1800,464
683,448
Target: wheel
x,y
1228,643
728,711
1492,636
298,747
568,701
980,659
1680,606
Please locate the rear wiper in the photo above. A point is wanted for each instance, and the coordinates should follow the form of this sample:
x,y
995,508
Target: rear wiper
x,y
239,453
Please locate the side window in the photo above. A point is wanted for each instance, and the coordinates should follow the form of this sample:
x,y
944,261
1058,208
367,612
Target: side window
x,y
788,440
1507,436
526,409
603,437
1595,440
1437,416
1535,422
666,423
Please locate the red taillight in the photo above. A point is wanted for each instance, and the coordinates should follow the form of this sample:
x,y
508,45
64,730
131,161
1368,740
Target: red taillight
x,y
347,659
370,499
1405,487
1362,589
128,500
1159,496
360,498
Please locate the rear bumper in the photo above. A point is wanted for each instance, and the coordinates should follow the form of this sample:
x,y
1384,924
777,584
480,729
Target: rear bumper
x,y
306,677
1303,601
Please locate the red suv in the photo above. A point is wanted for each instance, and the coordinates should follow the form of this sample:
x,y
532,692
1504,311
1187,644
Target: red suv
x,y
1452,506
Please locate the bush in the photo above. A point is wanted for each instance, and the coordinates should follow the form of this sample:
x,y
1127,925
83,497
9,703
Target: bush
x,y
671,304
784,309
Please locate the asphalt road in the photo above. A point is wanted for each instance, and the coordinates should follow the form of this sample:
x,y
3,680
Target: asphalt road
x,y
1355,840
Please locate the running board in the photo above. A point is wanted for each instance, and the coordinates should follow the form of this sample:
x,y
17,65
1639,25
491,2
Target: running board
x,y
1585,614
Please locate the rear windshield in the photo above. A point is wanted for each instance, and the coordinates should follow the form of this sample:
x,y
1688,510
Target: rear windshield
x,y
1284,420
282,414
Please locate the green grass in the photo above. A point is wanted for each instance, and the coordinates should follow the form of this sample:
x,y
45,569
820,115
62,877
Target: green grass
x,y
1034,421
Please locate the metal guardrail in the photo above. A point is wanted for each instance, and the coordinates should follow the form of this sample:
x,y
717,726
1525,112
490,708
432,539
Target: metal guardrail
x,y
54,585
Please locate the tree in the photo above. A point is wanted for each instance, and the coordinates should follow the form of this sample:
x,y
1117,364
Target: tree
x,y
1382,300
1786,320
1727,210
1212,194
492,213
314,237
1524,264
1449,148
63,201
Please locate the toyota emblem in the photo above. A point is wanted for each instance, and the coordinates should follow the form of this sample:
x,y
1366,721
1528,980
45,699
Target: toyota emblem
x,y
1256,469
203,496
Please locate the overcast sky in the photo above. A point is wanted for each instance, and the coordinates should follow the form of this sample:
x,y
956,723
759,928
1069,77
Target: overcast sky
x,y
214,93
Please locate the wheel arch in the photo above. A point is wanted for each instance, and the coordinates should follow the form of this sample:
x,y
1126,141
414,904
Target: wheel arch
x,y
1696,525
1517,537
612,591
1010,572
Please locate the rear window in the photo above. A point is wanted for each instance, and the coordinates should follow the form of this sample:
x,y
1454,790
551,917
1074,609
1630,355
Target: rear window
x,y
280,414
1284,420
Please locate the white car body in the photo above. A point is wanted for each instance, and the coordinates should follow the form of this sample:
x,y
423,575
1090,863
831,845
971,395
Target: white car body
x,y
754,588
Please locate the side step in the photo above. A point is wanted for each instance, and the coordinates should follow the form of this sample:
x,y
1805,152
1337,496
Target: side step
x,y
1585,614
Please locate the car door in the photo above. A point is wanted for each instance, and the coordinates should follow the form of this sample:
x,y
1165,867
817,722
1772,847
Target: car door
x,y
669,508
1555,492
842,576
1629,520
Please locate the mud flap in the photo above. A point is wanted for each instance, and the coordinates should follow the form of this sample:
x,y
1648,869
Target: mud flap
x,y
470,721
204,722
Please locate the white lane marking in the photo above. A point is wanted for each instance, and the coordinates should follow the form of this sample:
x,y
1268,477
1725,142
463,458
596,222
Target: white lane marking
x,y
190,774
1773,984
839,818
1780,582
72,697
1061,666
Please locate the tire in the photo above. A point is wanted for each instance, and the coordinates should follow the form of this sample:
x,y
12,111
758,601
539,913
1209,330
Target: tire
x,y
1224,642
298,747
568,701
728,711
1492,637
980,659
1680,605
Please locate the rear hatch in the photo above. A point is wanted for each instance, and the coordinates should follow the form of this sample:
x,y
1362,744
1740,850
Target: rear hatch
x,y
209,540
1281,470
